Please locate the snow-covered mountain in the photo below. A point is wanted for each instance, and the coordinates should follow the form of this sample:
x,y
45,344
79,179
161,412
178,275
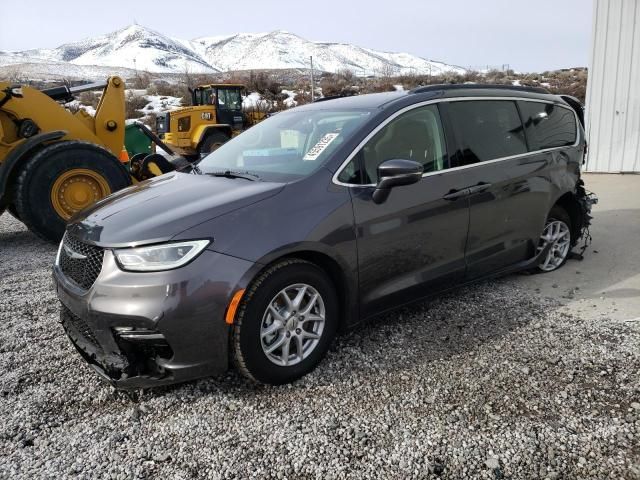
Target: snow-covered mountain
x,y
131,47
137,47
281,49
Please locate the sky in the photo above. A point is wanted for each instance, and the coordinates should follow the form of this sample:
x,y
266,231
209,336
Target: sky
x,y
529,36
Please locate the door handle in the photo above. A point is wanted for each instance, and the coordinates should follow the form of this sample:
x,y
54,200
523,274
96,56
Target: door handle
x,y
480,187
455,194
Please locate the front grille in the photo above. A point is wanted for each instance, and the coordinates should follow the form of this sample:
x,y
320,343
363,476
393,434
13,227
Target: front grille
x,y
80,262
67,317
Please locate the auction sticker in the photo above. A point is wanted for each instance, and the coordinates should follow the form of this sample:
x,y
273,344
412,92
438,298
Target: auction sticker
x,y
320,147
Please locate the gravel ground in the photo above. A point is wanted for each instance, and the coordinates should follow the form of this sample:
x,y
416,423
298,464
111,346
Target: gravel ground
x,y
490,382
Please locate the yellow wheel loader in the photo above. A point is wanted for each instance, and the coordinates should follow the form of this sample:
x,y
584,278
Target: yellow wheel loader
x,y
215,116
54,163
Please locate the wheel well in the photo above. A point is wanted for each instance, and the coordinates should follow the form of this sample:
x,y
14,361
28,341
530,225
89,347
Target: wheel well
x,y
570,204
331,268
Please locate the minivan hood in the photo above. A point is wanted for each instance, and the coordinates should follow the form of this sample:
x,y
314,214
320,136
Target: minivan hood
x,y
158,209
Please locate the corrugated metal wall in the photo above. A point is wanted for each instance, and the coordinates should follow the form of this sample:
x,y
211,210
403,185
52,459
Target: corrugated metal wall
x,y
613,88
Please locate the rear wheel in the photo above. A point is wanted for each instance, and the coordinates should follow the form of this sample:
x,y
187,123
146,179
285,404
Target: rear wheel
x,y
212,142
286,323
63,179
557,232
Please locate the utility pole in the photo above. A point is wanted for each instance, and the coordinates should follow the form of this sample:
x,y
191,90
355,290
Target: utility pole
x,y
313,95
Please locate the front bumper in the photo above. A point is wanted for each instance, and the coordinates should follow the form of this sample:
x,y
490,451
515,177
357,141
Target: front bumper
x,y
146,329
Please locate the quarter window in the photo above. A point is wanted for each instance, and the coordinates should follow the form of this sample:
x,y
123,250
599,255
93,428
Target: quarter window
x,y
415,135
487,129
548,125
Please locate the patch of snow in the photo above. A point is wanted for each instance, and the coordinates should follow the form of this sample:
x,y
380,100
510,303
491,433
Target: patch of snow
x,y
516,83
289,101
161,103
399,88
76,104
252,100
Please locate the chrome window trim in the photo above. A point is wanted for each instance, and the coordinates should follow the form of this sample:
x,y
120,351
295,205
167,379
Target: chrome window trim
x,y
387,120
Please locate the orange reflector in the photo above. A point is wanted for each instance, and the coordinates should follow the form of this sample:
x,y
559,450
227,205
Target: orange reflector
x,y
233,306
124,156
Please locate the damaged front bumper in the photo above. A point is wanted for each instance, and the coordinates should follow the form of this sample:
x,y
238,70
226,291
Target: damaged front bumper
x,y
125,359
139,330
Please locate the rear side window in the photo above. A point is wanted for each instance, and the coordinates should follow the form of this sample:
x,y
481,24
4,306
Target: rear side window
x,y
487,129
548,125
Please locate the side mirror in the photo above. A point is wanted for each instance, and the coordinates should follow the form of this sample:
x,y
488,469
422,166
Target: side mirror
x,y
394,173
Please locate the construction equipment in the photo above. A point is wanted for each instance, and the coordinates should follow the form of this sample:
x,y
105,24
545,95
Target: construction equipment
x,y
54,163
215,116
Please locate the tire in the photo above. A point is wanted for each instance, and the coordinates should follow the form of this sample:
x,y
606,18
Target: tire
x,y
93,170
247,342
212,142
559,254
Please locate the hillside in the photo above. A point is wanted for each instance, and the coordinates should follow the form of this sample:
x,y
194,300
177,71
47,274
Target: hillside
x,y
140,48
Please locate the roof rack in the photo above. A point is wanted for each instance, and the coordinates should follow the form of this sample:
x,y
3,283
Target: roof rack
x,y
476,86
333,97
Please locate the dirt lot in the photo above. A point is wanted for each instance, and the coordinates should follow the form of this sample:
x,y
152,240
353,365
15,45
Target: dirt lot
x,y
525,377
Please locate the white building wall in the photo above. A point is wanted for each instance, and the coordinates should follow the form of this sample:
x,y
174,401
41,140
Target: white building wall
x,y
613,88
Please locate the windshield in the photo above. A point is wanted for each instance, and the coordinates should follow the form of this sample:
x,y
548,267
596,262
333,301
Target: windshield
x,y
287,146
230,98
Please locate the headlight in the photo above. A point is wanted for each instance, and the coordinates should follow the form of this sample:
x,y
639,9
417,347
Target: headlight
x,y
159,257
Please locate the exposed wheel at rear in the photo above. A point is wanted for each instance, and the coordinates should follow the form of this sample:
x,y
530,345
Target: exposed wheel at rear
x,y
558,234
286,322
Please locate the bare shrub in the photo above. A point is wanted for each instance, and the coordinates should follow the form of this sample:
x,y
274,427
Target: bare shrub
x,y
12,74
166,89
150,120
302,98
90,98
134,105
141,80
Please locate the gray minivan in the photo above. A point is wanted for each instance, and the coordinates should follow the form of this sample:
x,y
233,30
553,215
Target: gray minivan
x,y
315,219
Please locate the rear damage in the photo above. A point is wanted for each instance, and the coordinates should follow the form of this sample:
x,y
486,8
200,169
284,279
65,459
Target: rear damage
x,y
585,200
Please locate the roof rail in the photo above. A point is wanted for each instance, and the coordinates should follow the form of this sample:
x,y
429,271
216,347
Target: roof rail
x,y
476,86
333,97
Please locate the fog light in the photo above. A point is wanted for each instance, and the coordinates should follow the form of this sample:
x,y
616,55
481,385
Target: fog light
x,y
139,334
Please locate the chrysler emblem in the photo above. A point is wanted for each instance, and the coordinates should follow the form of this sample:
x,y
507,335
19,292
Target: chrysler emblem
x,y
75,255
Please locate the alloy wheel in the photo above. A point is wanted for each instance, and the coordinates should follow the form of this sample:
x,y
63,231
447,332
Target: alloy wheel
x,y
292,324
557,234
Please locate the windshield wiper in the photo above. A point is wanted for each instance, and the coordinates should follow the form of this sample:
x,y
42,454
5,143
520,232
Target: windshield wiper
x,y
231,174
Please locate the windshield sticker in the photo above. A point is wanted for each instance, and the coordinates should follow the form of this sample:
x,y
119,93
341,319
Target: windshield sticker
x,y
290,138
320,147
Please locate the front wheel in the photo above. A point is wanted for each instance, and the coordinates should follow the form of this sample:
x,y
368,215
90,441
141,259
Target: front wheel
x,y
557,233
62,179
212,142
286,323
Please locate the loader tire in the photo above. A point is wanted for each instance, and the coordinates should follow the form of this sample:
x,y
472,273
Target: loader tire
x,y
62,179
212,142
